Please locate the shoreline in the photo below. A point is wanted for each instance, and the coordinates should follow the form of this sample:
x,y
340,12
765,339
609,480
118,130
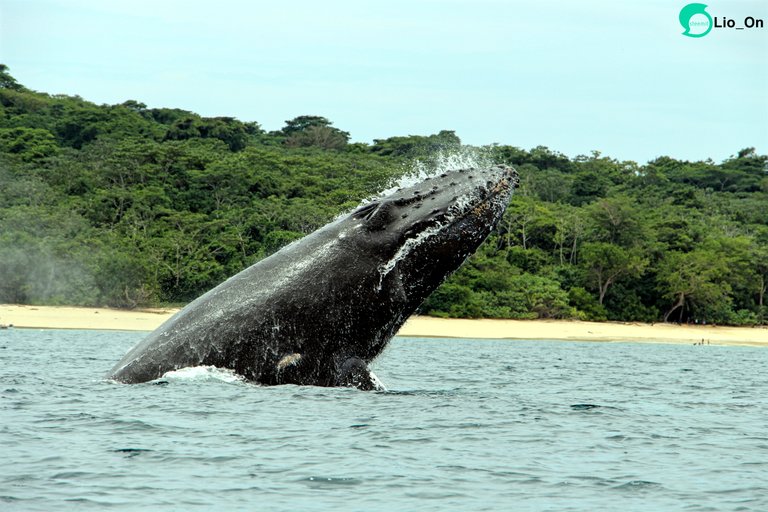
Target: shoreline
x,y
65,317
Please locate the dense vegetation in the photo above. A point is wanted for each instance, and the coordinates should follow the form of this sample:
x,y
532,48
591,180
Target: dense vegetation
x,y
124,205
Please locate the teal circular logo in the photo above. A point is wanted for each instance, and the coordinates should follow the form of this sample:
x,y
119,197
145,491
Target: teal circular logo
x,y
695,20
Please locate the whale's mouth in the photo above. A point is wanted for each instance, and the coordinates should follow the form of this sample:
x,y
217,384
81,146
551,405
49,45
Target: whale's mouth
x,y
465,208
436,200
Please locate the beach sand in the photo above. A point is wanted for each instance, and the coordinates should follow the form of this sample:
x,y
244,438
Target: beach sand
x,y
48,317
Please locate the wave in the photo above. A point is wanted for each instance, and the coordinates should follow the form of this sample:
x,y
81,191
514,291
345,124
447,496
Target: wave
x,y
202,374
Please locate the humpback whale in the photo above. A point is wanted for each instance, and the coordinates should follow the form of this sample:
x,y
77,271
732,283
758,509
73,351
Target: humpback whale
x,y
318,311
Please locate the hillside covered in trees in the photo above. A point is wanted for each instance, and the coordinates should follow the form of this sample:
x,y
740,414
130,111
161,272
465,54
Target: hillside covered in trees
x,y
125,206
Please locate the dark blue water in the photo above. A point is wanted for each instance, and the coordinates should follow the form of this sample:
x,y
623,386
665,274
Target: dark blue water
x,y
465,425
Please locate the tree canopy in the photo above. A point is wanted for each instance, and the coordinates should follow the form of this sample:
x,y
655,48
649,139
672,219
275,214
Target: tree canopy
x,y
125,205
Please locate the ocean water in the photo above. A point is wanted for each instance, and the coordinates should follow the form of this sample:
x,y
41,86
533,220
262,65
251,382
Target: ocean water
x,y
466,425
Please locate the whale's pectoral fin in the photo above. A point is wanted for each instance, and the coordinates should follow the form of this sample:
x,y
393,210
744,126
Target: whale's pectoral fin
x,y
288,370
354,373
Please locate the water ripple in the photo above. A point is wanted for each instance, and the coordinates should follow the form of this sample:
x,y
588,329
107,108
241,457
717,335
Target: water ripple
x,y
532,426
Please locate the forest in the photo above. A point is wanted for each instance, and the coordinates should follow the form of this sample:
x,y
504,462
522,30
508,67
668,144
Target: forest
x,y
128,206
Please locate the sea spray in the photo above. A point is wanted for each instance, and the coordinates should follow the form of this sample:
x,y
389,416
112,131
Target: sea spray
x,y
445,160
440,162
203,374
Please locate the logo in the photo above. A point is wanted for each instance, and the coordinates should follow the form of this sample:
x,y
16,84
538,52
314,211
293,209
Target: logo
x,y
695,20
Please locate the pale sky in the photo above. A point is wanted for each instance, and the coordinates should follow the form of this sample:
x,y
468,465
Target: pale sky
x,y
574,75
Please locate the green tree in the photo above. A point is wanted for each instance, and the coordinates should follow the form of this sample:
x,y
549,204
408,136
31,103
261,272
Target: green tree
x,y
528,223
323,137
605,263
416,146
7,81
616,220
692,280
301,123
760,262
28,143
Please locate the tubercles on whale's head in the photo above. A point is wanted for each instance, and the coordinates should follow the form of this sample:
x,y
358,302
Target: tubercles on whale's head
x,y
427,230
437,201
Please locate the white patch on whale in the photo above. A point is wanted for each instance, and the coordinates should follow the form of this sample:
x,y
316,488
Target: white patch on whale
x,y
405,250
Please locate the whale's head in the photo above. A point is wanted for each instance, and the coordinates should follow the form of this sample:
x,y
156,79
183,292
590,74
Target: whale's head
x,y
423,233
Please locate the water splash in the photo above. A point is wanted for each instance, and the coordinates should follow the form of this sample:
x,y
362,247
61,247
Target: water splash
x,y
377,384
462,157
445,160
405,249
203,373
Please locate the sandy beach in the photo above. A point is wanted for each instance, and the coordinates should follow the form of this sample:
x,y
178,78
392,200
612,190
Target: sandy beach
x,y
47,317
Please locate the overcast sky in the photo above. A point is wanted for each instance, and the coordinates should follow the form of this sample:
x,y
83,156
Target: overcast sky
x,y
575,75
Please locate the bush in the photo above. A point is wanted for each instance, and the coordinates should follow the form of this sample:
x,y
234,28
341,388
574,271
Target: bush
x,y
587,305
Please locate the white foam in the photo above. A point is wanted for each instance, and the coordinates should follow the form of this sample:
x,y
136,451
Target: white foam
x,y
443,161
203,373
377,384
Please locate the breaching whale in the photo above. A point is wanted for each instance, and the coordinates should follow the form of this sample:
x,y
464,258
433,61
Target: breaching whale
x,y
319,310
